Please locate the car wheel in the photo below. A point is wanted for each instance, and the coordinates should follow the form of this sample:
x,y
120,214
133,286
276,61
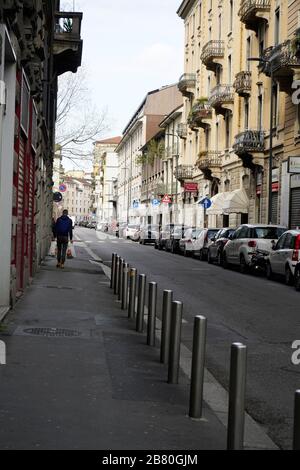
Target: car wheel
x,y
172,248
297,280
159,247
243,265
220,259
289,278
269,272
201,255
209,258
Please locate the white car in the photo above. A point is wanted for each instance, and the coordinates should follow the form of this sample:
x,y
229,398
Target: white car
x,y
186,243
284,256
203,241
244,243
130,231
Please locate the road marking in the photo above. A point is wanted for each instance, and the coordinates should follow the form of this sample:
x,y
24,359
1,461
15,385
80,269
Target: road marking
x,y
91,253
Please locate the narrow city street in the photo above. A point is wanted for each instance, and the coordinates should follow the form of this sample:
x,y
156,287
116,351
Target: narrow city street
x,y
262,314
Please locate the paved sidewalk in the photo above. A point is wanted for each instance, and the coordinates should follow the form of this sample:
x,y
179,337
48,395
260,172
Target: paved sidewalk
x,y
96,385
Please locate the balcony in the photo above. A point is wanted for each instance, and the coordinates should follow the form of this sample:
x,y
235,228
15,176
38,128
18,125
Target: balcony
x,y
182,131
163,189
284,60
210,163
254,12
250,146
222,99
184,173
187,83
243,83
200,115
212,53
67,46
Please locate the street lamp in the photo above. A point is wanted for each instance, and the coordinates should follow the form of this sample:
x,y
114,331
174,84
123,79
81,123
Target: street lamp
x,y
177,157
266,61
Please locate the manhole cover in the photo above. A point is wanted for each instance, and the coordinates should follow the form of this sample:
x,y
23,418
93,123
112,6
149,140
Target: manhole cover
x,y
51,332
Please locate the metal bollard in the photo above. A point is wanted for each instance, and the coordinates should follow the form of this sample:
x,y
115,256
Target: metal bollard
x,y
132,293
165,326
121,267
175,339
141,303
113,270
152,303
296,440
116,280
237,391
124,304
198,361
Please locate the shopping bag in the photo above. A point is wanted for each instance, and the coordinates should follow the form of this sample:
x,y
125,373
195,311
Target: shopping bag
x,y
71,251
53,249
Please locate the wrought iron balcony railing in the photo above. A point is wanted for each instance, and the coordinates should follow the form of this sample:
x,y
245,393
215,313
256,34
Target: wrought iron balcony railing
x,y
200,112
282,59
209,159
221,96
184,172
253,12
186,83
243,83
249,141
212,52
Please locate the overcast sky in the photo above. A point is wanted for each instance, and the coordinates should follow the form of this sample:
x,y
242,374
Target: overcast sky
x,y
130,48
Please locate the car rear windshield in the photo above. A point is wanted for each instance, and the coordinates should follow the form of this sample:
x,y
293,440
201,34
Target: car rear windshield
x,y
212,233
268,233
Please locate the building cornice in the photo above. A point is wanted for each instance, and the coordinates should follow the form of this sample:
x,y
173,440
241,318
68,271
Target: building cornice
x,y
185,8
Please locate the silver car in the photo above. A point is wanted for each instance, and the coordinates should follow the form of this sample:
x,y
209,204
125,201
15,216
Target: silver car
x,y
284,256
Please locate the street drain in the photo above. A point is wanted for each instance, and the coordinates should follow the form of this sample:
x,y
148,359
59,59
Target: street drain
x,y
52,332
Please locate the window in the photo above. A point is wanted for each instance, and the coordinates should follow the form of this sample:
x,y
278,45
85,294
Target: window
x,y
277,27
25,105
231,16
260,109
289,241
275,105
34,127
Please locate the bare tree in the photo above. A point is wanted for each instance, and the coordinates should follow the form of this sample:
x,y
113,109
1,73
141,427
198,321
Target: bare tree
x,y
79,123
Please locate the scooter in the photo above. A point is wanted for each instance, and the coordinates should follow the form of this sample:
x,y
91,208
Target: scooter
x,y
259,261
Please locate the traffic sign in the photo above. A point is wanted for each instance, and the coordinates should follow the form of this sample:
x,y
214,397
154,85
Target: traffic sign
x,y
155,202
62,188
135,204
206,203
166,199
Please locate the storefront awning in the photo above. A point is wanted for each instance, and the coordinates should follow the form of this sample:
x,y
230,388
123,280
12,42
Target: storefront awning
x,y
235,202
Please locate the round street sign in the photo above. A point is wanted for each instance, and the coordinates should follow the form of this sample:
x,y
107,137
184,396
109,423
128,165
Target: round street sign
x,y
155,202
62,188
206,203
57,197
135,205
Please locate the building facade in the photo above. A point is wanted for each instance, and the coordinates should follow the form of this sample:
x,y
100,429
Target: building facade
x,y
142,127
105,175
232,103
77,198
37,44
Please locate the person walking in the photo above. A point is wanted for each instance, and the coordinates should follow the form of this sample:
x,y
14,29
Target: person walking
x,y
63,231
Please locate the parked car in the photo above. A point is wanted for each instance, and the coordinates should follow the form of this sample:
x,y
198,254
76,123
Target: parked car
x,y
186,243
203,242
130,231
176,234
149,234
246,240
215,250
284,256
164,235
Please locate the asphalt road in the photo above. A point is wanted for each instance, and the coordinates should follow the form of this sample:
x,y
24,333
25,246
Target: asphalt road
x,y
263,315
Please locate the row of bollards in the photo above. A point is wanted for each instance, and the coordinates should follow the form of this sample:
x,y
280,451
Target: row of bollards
x,y
131,291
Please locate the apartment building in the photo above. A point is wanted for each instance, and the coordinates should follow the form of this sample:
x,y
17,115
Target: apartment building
x,y
77,198
105,175
231,101
37,44
142,127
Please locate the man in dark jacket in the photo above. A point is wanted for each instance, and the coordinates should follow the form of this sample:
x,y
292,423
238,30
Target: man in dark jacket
x,y
63,230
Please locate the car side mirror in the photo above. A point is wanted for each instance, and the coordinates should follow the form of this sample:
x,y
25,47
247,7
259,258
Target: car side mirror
x,y
274,245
